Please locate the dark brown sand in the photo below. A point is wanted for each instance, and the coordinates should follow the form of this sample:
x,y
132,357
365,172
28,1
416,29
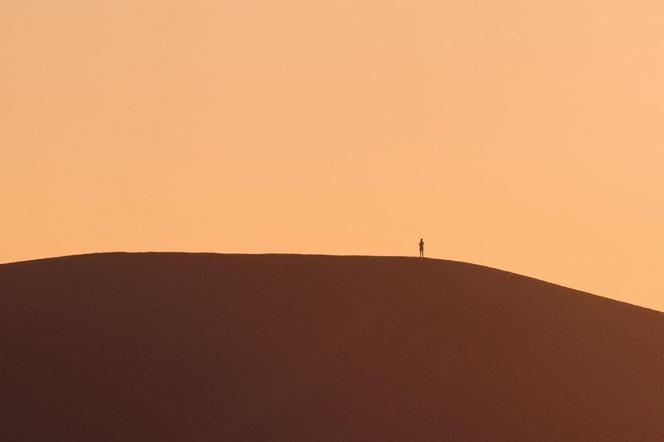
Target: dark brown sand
x,y
204,347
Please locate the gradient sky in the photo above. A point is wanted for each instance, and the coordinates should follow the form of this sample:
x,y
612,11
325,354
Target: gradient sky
x,y
524,135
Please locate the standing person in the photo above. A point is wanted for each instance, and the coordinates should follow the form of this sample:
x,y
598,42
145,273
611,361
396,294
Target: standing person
x,y
421,248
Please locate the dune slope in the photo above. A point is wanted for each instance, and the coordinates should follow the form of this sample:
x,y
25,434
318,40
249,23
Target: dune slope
x,y
206,347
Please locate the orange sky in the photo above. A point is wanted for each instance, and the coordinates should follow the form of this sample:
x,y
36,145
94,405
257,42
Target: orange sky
x,y
525,135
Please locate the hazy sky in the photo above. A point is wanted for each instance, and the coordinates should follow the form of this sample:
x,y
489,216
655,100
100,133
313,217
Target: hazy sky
x,y
521,134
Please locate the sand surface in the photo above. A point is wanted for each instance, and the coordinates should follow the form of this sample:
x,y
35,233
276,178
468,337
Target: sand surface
x,y
205,347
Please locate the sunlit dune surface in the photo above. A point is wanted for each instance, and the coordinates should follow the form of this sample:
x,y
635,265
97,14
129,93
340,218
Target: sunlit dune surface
x,y
207,347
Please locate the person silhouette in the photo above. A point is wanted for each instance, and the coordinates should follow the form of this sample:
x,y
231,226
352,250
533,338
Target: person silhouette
x,y
421,248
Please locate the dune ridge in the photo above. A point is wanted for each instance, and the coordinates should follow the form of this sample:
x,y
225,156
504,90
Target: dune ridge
x,y
214,347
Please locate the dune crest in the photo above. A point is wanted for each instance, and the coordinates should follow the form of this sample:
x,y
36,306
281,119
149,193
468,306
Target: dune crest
x,y
208,347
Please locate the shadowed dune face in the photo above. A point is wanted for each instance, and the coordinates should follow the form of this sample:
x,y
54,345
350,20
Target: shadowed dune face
x,y
202,347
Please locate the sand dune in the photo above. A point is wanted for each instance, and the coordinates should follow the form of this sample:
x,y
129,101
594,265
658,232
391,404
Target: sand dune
x,y
205,347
